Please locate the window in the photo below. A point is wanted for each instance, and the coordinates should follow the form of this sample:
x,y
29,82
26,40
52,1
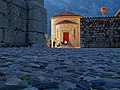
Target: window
x,y
74,32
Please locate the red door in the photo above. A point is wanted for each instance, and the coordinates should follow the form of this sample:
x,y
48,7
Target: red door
x,y
66,36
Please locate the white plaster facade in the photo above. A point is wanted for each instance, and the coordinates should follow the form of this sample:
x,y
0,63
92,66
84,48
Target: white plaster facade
x,y
66,24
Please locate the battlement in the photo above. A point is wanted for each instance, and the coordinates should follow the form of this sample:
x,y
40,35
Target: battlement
x,y
107,17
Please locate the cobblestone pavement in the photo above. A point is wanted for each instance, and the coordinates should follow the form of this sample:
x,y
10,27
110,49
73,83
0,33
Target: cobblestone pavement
x,y
60,69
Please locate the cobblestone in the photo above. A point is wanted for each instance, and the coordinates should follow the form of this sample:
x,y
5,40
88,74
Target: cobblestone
x,y
49,69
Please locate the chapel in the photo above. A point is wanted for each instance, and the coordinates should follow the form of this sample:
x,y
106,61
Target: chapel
x,y
118,14
65,28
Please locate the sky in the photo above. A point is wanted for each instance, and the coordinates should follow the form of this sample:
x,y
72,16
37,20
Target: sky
x,y
86,8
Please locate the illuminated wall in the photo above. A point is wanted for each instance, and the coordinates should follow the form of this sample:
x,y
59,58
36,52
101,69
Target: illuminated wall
x,y
72,27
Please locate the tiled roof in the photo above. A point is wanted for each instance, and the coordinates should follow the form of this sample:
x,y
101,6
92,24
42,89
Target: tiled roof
x,y
66,13
117,14
66,22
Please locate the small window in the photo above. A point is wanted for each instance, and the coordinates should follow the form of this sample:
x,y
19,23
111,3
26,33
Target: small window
x,y
57,33
74,32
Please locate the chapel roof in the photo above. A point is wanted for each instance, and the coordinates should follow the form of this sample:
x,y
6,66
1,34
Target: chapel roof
x,y
66,22
117,14
66,13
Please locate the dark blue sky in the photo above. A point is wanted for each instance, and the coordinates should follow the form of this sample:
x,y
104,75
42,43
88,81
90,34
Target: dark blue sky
x,y
86,8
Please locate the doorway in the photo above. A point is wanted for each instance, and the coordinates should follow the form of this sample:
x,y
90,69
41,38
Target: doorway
x,y
65,36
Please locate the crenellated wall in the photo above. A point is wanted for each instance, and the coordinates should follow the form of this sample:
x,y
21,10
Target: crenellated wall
x,y
100,32
22,22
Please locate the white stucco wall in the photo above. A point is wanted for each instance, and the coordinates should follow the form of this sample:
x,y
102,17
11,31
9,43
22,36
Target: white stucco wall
x,y
60,28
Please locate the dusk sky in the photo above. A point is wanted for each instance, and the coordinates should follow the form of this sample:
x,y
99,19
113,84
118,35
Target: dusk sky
x,y
81,52
86,8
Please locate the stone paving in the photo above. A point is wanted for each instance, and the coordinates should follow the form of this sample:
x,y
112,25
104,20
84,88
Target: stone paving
x,y
60,69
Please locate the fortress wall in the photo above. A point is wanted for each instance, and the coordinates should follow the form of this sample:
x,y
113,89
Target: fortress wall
x,y
41,2
3,19
18,18
100,32
37,22
12,21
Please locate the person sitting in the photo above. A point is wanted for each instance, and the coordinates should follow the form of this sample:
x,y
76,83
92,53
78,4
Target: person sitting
x,y
61,43
58,44
69,43
65,42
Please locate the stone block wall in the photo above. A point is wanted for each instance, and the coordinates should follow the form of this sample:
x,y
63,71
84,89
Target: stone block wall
x,y
12,22
37,22
41,2
100,32
18,18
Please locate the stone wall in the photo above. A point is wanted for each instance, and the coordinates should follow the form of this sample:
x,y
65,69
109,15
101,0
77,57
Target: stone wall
x,y
100,32
12,22
41,2
37,22
20,20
